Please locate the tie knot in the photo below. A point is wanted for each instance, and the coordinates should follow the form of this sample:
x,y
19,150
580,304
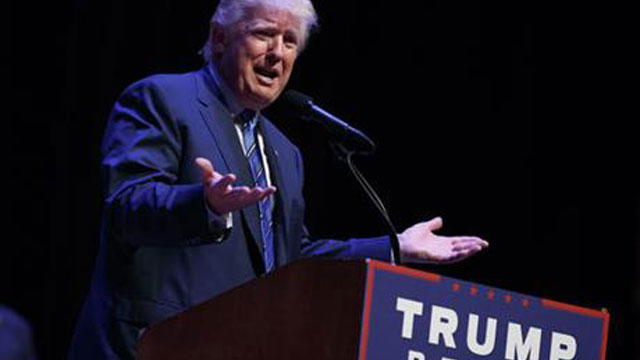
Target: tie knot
x,y
247,117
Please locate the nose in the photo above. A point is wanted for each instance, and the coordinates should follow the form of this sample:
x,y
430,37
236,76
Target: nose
x,y
276,49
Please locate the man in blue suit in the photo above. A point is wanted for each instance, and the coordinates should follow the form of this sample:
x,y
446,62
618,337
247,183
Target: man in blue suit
x,y
204,193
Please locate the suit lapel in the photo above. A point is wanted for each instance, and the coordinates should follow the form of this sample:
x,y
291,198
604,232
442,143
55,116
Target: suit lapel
x,y
221,127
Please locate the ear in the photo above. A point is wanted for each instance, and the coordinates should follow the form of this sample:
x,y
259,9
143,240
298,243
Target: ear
x,y
219,39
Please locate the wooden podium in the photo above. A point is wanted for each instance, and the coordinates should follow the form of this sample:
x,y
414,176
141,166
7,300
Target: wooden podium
x,y
306,310
365,310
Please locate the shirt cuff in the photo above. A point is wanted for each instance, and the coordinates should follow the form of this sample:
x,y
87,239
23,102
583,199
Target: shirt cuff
x,y
219,224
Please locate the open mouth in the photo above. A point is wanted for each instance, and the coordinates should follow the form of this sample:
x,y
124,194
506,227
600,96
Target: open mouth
x,y
267,75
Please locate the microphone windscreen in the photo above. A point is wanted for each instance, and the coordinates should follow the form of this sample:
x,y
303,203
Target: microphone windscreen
x,y
297,100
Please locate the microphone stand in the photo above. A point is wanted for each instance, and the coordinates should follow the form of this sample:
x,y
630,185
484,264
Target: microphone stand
x,y
346,155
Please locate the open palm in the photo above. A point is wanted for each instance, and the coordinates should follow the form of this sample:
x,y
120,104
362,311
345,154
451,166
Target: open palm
x,y
419,244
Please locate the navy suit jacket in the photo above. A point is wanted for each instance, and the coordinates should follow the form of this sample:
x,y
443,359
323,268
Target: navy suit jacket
x,y
158,254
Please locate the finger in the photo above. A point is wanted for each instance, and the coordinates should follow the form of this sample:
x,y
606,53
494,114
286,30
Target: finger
x,y
267,192
463,254
248,196
469,239
256,194
459,239
260,192
482,243
222,185
206,167
475,240
243,196
434,224
238,191
467,246
462,246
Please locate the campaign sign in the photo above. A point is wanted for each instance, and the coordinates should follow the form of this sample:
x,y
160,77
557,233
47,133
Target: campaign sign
x,y
414,315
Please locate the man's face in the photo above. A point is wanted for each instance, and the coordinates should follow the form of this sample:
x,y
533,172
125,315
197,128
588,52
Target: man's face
x,y
256,55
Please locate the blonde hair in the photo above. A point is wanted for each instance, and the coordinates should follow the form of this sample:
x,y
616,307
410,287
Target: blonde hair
x,y
230,12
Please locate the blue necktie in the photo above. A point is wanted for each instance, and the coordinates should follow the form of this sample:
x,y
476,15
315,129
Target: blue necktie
x,y
249,122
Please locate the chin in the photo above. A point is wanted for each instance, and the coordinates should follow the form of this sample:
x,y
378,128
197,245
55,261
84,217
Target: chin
x,y
264,98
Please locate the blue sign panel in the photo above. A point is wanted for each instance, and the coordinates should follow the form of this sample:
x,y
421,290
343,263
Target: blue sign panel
x,y
415,315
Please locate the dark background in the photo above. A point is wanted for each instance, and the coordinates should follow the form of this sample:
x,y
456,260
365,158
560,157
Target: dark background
x,y
511,122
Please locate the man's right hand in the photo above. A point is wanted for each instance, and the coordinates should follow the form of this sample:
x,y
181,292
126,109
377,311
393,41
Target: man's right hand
x,y
221,196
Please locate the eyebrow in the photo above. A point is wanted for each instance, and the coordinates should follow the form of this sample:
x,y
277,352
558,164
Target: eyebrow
x,y
258,23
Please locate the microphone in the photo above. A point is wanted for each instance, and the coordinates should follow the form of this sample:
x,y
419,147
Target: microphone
x,y
348,136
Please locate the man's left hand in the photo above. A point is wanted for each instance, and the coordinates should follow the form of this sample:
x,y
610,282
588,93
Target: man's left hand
x,y
418,244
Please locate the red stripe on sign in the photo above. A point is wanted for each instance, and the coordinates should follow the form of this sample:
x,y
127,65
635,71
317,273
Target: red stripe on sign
x,y
572,308
605,336
604,315
405,271
364,339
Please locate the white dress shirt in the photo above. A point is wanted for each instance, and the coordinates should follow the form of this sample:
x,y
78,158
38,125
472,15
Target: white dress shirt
x,y
218,222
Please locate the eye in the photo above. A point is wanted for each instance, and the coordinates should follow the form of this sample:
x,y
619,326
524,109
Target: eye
x,y
291,41
263,34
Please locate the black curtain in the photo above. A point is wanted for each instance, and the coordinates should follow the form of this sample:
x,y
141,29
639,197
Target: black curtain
x,y
509,121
